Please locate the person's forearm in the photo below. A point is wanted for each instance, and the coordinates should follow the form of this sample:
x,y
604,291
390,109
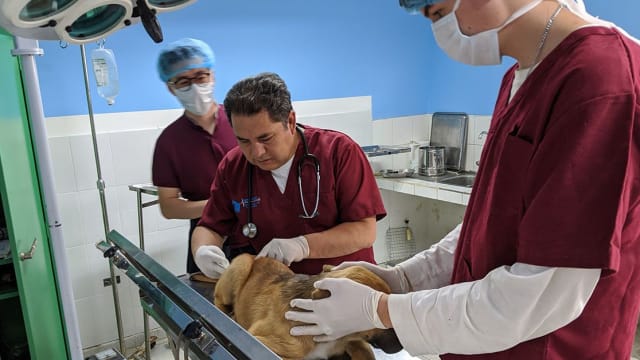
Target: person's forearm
x,y
431,268
342,239
508,306
383,311
205,236
178,208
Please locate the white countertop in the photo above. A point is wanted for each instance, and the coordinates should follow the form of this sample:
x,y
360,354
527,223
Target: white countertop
x,y
427,189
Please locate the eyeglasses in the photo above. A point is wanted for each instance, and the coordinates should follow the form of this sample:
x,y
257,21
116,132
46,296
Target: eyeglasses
x,y
184,83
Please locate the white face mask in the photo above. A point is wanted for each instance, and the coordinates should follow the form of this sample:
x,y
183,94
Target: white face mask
x,y
479,49
197,99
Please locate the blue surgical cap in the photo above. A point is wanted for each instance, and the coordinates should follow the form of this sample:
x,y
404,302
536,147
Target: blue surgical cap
x,y
414,6
182,55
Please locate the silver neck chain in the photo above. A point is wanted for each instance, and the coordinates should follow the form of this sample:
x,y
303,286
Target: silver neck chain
x,y
544,37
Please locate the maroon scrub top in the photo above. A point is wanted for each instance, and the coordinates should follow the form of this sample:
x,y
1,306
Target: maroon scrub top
x,y
559,186
348,192
187,157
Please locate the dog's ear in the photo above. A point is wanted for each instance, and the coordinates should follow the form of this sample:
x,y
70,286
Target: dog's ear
x,y
231,281
386,340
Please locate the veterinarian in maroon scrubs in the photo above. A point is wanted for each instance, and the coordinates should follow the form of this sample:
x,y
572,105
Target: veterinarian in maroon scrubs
x,y
302,195
189,149
547,262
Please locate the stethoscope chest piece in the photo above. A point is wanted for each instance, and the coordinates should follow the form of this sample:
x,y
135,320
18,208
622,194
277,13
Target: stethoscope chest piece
x,y
249,230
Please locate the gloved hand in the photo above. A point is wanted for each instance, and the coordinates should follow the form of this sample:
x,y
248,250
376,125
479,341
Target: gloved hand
x,y
352,307
286,250
211,260
394,276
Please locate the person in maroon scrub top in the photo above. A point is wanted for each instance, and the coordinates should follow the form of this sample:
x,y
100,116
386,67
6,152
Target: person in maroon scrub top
x,y
546,264
188,151
302,195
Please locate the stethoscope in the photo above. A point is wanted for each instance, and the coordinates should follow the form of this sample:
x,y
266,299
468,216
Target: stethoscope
x,y
250,229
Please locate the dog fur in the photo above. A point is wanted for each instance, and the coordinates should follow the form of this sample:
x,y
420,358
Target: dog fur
x,y
256,293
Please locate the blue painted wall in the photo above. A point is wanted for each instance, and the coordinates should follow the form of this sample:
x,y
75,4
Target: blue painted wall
x,y
323,49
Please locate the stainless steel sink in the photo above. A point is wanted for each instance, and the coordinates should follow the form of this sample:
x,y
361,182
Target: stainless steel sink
x,y
459,180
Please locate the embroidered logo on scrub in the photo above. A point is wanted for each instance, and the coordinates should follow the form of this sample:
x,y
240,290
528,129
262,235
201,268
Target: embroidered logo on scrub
x,y
245,203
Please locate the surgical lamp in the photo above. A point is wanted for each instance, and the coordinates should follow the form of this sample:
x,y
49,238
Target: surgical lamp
x,y
82,21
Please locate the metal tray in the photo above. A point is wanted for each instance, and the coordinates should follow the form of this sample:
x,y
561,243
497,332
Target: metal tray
x,y
389,173
449,129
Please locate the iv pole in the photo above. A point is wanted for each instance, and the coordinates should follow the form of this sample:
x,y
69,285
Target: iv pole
x,y
103,202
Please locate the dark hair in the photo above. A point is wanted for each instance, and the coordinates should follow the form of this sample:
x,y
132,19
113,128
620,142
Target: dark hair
x,y
265,91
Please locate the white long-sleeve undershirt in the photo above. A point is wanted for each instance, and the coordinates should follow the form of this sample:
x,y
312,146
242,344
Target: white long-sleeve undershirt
x,y
510,305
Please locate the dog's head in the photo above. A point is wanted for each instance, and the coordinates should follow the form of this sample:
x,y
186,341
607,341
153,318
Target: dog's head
x,y
231,282
383,339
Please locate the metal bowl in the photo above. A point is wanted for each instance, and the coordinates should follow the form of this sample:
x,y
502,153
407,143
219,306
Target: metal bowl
x,y
390,173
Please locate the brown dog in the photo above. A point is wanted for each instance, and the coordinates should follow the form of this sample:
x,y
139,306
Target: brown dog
x,y
256,293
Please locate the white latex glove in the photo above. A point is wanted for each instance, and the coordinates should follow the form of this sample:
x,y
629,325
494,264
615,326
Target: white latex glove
x,y
286,250
211,260
394,276
352,307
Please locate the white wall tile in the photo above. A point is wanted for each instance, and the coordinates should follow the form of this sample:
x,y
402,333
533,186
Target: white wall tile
x,y
404,188
96,270
82,283
132,154
127,199
133,321
63,172
358,125
70,214
426,191
383,132
169,248
91,214
421,128
166,224
400,161
96,319
481,126
402,130
85,163
380,163
472,157
450,196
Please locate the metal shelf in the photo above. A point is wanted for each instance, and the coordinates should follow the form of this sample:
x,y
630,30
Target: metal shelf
x,y
380,150
8,292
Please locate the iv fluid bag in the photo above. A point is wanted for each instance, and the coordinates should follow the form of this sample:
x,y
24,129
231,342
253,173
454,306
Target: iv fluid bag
x,y
106,73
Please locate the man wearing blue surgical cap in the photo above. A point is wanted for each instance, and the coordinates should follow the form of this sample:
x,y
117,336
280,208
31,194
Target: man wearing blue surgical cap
x,y
415,6
188,151
546,265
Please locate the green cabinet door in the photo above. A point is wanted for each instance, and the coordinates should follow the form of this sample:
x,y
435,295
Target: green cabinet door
x,y
23,208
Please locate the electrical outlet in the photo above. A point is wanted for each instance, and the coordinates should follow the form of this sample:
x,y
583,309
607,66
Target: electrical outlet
x,y
107,281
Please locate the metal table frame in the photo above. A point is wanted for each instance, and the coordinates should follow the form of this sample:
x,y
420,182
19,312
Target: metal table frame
x,y
182,311
140,189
